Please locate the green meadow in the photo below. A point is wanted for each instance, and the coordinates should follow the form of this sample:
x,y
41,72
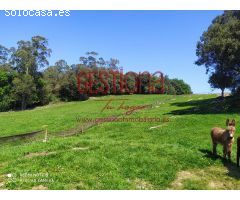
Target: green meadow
x,y
171,154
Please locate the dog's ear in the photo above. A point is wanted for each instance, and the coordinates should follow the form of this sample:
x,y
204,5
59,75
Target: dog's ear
x,y
227,122
233,122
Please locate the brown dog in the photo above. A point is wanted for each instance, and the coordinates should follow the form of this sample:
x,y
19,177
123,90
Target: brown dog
x,y
224,137
238,151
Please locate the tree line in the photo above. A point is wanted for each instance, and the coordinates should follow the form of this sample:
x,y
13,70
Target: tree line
x,y
27,80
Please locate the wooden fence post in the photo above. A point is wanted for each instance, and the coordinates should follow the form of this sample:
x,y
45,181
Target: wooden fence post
x,y
46,133
82,129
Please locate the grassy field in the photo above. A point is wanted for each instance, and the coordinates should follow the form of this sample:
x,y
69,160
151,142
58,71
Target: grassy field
x,y
120,155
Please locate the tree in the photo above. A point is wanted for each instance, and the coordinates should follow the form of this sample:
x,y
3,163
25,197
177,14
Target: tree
x,y
31,56
62,65
221,81
40,51
4,55
219,48
176,86
91,60
113,64
28,59
24,90
6,77
180,87
69,89
53,77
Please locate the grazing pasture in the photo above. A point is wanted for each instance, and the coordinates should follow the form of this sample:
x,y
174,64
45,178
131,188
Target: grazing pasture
x,y
171,154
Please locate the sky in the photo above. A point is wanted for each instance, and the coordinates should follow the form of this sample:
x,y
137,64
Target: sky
x,y
142,40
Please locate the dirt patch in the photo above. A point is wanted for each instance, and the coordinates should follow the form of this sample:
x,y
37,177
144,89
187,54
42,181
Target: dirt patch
x,y
173,117
3,164
30,155
213,178
1,184
2,181
158,126
181,177
80,148
140,184
215,184
94,98
39,187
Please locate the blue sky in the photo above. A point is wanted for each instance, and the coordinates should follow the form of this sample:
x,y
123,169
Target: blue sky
x,y
141,40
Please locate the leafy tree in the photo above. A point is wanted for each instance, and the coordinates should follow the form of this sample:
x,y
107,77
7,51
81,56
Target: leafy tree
x,y
43,92
40,51
54,76
113,64
219,49
24,90
62,65
221,81
168,88
28,59
4,55
61,80
180,87
69,90
31,56
91,60
6,77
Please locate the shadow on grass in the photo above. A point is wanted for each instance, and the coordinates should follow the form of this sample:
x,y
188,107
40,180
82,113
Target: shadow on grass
x,y
230,105
233,170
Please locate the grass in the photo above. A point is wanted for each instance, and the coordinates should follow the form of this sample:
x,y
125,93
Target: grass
x,y
123,155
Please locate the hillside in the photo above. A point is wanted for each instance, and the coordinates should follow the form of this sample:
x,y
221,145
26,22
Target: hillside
x,y
173,153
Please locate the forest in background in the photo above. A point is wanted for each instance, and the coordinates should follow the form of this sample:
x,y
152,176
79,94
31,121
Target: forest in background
x,y
27,80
